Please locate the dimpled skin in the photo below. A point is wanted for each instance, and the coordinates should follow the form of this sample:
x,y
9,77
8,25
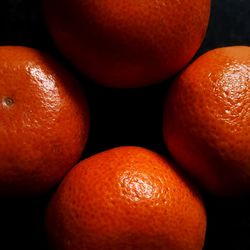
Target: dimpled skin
x,y
44,121
128,43
207,120
125,198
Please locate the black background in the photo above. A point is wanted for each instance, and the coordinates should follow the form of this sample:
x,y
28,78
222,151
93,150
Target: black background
x,y
123,117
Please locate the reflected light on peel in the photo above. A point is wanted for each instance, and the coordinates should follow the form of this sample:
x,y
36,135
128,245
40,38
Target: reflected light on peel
x,y
136,186
47,84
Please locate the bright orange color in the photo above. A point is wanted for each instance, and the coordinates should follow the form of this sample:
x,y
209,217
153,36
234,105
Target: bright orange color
x,y
207,120
126,198
44,121
128,43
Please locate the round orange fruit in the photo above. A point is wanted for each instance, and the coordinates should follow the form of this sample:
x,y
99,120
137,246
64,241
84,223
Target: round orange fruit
x,y
128,43
207,120
44,121
126,198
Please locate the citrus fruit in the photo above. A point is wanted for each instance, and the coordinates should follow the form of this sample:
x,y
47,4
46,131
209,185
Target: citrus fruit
x,y
44,121
125,198
207,120
128,43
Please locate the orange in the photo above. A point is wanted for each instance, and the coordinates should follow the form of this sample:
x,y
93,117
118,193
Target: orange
x,y
207,120
44,121
126,198
128,43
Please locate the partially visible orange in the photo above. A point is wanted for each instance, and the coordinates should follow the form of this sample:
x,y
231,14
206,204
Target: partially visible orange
x,y
126,198
44,121
128,43
207,120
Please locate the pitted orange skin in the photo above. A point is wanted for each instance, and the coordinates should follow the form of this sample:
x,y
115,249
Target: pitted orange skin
x,y
44,121
128,43
207,120
126,198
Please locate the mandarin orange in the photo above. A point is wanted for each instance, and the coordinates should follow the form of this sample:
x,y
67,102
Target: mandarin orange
x,y
44,121
126,198
207,120
128,43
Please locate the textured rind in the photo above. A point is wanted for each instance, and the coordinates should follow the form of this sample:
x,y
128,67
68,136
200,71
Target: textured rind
x,y
128,43
43,132
207,120
126,198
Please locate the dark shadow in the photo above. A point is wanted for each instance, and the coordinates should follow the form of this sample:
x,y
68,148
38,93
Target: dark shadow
x,y
22,223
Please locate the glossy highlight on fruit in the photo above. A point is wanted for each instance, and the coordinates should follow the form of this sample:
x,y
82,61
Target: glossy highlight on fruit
x,y
207,120
128,43
44,121
126,198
